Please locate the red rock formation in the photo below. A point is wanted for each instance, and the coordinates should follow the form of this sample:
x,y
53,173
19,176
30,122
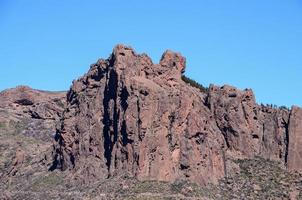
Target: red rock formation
x,y
248,128
28,120
130,116
294,159
26,102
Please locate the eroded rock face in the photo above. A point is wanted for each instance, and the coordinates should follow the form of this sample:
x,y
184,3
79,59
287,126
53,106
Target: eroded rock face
x,y
26,102
294,159
28,120
130,116
249,129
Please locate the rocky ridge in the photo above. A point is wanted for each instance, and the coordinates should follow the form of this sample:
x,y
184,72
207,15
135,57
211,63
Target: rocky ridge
x,y
130,116
129,119
28,119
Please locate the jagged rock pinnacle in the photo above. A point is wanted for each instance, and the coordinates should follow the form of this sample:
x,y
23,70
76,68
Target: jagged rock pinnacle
x,y
173,60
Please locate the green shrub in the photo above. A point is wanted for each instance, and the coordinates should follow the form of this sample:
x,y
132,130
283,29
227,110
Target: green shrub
x,y
194,84
284,108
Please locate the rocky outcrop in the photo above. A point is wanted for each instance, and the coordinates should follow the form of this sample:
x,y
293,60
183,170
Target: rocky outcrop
x,y
16,163
130,116
249,129
28,120
294,159
26,102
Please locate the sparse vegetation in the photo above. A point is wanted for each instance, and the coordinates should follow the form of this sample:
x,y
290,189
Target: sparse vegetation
x,y
59,102
258,179
275,106
272,106
194,84
284,108
17,126
2,125
49,181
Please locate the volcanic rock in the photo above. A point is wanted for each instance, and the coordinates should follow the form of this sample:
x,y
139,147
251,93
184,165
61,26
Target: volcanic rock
x,y
128,119
294,159
128,116
249,129
28,119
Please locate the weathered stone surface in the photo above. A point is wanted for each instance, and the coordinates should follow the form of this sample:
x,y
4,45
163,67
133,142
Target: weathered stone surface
x,y
28,120
16,163
249,129
24,101
294,160
130,116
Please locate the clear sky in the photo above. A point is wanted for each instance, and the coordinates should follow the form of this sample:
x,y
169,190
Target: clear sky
x,y
246,43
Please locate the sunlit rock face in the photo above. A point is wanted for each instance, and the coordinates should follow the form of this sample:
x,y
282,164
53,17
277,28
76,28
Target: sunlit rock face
x,y
294,159
129,116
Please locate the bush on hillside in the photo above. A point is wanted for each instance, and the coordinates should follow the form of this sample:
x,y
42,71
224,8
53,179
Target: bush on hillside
x,y
194,84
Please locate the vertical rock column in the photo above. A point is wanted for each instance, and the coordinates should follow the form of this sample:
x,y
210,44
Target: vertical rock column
x,y
294,159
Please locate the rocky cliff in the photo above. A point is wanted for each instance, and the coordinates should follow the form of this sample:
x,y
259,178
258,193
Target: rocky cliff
x,y
129,116
28,119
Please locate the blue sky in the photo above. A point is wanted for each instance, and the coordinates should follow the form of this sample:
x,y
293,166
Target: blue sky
x,y
249,44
